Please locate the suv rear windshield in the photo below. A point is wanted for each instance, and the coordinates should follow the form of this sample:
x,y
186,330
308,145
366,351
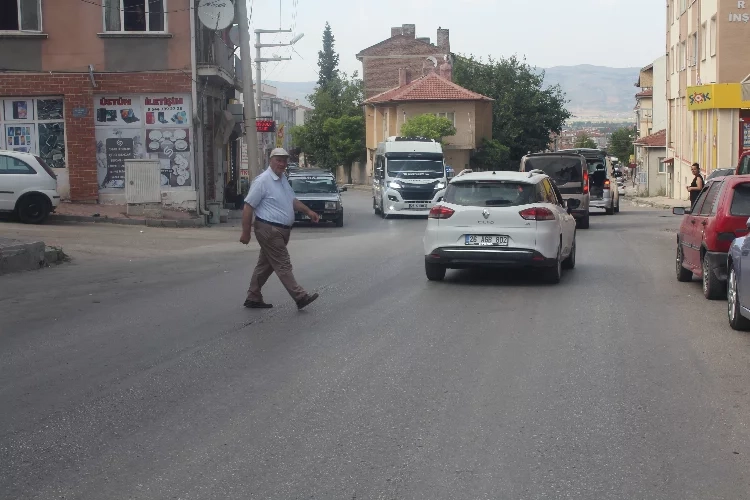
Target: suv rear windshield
x,y
562,170
741,200
307,185
491,193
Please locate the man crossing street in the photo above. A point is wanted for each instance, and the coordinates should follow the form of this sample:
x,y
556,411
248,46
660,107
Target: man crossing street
x,y
272,202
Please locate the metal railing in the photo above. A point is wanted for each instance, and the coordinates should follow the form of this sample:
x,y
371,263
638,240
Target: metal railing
x,y
213,51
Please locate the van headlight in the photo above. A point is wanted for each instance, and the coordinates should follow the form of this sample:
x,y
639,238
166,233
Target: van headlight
x,y
394,185
439,186
331,205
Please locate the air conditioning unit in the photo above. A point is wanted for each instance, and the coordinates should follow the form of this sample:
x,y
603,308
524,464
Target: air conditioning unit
x,y
142,182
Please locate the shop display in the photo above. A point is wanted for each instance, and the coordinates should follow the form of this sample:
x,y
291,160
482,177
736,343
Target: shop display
x,y
52,143
34,125
19,109
20,138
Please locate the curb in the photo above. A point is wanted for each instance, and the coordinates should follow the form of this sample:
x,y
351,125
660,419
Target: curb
x,y
16,256
182,223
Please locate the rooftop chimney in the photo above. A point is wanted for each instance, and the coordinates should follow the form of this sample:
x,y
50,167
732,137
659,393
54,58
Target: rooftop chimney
x,y
395,31
443,40
446,70
404,77
409,30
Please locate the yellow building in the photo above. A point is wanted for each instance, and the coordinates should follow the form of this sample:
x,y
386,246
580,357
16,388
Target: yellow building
x,y
708,119
470,112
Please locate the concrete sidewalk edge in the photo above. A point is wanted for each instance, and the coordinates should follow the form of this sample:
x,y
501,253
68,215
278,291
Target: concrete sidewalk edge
x,y
182,223
16,256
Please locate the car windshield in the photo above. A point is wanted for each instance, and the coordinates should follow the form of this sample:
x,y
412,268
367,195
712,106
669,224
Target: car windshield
x,y
490,193
308,185
595,164
562,170
431,168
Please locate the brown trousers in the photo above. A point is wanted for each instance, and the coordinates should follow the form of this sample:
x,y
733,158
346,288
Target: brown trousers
x,y
274,257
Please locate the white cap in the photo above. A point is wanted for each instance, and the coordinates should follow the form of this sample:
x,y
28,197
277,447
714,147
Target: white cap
x,y
279,152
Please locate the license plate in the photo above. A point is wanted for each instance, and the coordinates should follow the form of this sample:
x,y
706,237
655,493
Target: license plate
x,y
490,240
418,205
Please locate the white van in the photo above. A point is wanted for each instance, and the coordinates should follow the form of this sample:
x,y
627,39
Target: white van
x,y
409,178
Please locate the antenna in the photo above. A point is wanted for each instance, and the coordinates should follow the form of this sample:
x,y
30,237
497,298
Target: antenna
x,y
216,14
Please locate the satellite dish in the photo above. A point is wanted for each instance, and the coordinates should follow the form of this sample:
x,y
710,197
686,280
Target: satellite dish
x,y
234,35
432,60
216,14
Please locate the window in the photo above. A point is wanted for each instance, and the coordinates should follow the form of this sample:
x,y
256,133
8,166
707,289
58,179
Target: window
x,y
713,193
699,201
672,59
713,36
34,125
741,200
683,56
662,166
20,15
10,165
450,116
693,50
491,194
704,41
134,15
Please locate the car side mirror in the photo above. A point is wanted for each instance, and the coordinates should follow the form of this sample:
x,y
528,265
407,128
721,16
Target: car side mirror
x,y
680,211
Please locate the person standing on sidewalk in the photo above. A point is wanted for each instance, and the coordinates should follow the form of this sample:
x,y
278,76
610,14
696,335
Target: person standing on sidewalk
x,y
695,187
272,202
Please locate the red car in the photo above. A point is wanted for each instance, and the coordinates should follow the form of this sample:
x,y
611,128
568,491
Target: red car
x,y
708,228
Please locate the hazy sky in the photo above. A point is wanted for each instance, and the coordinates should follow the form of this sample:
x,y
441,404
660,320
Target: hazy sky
x,y
617,33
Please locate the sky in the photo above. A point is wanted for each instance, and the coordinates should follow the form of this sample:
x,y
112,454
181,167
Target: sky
x,y
615,33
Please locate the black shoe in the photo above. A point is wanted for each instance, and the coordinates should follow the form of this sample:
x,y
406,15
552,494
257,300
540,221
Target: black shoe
x,y
251,304
301,304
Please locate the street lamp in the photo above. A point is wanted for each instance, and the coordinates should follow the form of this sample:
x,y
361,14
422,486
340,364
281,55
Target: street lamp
x,y
296,39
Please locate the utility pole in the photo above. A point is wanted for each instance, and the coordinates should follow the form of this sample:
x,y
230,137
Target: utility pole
x,y
259,60
251,135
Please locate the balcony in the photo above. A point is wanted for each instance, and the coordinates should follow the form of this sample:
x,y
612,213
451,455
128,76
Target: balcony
x,y
216,60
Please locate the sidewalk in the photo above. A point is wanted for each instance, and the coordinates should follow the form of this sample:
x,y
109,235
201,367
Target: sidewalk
x,y
653,201
116,214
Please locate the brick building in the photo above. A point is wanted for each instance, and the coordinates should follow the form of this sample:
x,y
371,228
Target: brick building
x,y
402,51
87,85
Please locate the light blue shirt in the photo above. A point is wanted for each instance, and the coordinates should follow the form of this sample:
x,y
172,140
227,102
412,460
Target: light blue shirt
x,y
272,198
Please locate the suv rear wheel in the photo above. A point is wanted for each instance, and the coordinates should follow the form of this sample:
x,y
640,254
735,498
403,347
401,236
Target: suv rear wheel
x,y
736,320
553,274
683,274
570,262
33,209
583,222
713,288
434,272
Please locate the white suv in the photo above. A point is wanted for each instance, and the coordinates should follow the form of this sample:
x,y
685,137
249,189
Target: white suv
x,y
28,186
500,219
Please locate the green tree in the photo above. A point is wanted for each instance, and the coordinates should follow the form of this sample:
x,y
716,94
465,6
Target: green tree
x,y
584,140
490,155
428,126
621,144
328,59
346,137
524,111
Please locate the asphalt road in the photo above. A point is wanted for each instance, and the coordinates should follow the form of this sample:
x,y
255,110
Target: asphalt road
x,y
138,374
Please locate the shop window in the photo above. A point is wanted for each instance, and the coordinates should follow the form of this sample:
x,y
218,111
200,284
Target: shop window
x,y
20,15
134,15
34,126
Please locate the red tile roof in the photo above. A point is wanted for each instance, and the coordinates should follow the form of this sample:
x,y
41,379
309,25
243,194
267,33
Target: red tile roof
x,y
645,93
431,87
657,140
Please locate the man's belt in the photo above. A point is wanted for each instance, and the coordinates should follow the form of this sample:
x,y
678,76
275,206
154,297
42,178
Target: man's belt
x,y
275,224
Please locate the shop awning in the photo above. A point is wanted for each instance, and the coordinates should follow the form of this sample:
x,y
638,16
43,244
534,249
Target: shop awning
x,y
668,160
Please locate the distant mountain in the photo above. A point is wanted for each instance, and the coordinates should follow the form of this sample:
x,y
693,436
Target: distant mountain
x,y
593,91
596,91
294,90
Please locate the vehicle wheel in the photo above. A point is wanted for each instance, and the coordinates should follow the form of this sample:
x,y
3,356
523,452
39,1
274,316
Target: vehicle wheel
x,y
736,320
683,274
617,208
570,261
434,272
609,211
553,274
340,221
383,215
33,209
375,207
713,289
583,223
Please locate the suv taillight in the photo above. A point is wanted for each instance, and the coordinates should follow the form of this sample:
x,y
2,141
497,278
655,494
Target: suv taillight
x,y
537,213
585,181
440,212
606,183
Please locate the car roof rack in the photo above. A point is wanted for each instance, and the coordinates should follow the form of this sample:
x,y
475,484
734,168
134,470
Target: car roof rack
x,y
536,171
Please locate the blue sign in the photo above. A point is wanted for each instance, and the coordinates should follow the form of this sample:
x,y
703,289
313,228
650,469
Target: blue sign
x,y
80,112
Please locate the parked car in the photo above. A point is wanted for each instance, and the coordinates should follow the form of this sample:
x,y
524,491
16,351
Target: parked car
x,y
318,190
708,228
569,171
603,193
500,219
738,285
28,187
720,172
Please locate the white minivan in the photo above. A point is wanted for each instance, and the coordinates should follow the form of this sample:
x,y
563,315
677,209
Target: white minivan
x,y
28,186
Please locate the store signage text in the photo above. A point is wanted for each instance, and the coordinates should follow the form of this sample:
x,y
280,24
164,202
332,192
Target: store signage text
x,y
699,97
164,101
115,102
740,17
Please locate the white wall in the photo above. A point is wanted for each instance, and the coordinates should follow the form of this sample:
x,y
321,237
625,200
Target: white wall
x,y
660,94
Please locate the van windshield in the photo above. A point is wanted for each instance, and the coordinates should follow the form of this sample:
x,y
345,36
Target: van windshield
x,y
560,169
413,167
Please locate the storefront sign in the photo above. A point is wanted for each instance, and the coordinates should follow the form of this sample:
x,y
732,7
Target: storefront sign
x,y
716,96
80,112
280,136
699,97
118,150
740,17
159,127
